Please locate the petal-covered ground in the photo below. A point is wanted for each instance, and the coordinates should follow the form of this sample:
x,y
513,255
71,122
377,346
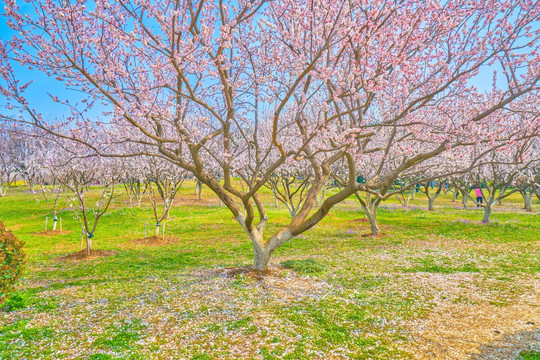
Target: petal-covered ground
x,y
437,285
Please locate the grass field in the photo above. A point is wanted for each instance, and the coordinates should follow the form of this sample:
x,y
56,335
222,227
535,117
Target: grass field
x,y
437,285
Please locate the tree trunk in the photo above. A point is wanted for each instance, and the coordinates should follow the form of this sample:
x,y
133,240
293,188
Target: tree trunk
x,y
375,230
55,221
405,201
527,197
88,244
372,217
168,205
198,189
261,250
275,198
501,193
157,230
454,195
129,193
369,207
487,213
413,194
261,258
464,199
431,200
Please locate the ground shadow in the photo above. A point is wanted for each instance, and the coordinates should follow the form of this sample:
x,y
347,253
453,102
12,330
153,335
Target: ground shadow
x,y
510,346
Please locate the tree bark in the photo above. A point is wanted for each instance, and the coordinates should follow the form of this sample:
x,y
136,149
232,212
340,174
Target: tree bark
x,y
375,230
263,251
261,258
431,200
501,195
487,213
371,213
88,244
198,189
275,198
527,199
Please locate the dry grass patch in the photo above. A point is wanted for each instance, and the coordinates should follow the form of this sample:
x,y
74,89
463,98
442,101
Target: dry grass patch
x,y
155,241
82,255
14,227
52,232
359,220
468,316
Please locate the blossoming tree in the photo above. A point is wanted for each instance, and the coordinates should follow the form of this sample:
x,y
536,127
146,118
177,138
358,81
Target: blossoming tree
x,y
196,79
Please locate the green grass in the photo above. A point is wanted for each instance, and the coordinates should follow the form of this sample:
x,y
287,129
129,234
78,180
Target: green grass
x,y
335,291
307,266
15,336
529,355
120,336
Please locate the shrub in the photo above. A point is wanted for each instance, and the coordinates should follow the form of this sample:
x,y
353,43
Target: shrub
x,y
12,260
308,266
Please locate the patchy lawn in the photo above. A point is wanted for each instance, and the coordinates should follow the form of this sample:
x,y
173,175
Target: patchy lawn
x,y
437,285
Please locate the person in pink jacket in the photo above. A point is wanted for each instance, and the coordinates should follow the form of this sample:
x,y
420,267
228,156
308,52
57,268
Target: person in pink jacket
x,y
479,197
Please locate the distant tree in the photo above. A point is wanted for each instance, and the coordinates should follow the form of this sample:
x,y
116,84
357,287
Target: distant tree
x,y
133,178
432,189
162,184
11,155
43,163
195,80
496,176
289,187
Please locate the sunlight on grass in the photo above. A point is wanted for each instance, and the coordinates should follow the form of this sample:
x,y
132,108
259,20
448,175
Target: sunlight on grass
x,y
330,290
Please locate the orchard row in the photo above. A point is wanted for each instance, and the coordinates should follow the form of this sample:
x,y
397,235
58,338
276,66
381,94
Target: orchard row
x,y
371,97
